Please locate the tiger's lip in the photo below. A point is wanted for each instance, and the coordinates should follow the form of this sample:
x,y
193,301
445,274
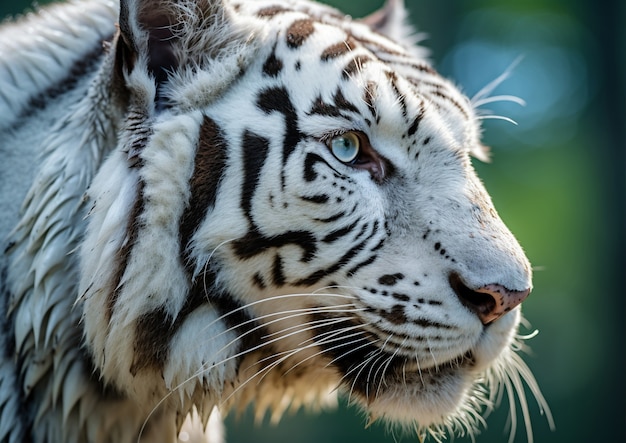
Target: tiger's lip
x,y
464,361
358,349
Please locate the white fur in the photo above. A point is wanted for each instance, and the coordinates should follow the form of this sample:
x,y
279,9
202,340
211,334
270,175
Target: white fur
x,y
80,202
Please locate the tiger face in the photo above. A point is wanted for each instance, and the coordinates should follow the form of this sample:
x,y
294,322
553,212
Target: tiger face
x,y
290,208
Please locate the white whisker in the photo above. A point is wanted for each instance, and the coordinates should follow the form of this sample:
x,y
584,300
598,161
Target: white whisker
x,y
373,355
492,85
386,366
343,337
499,98
205,265
322,310
496,117
285,356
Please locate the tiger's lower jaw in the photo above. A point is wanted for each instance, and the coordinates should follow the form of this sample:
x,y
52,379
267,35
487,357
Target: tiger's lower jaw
x,y
423,398
448,395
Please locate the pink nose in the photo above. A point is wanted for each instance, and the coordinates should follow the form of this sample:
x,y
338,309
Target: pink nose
x,y
489,302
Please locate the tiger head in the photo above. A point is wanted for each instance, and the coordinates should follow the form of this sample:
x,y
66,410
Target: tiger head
x,y
290,208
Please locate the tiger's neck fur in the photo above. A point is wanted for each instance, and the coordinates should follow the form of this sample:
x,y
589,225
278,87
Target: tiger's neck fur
x,y
58,64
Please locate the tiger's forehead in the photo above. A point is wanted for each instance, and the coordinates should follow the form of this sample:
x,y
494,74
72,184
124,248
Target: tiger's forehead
x,y
339,72
342,59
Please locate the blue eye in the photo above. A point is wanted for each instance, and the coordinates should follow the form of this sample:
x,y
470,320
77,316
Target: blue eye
x,y
346,147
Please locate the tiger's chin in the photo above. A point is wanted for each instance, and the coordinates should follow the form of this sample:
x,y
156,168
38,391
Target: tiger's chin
x,y
446,394
423,398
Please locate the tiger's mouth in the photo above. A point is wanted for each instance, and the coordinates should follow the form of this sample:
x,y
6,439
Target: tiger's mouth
x,y
367,369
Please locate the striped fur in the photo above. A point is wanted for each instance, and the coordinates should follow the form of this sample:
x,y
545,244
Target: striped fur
x,y
188,241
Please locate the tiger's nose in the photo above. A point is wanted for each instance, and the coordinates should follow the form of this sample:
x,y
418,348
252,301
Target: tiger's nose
x,y
488,302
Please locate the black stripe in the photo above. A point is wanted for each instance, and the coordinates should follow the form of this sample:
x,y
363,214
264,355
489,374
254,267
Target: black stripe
x,y
155,329
343,103
415,125
271,11
332,218
209,167
358,266
153,332
319,199
133,225
320,107
278,275
401,98
439,92
338,49
369,96
355,65
310,161
316,276
82,66
255,149
277,100
255,243
335,235
273,65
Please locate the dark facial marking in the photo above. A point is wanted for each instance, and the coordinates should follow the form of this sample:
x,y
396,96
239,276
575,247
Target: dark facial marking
x,y
390,279
271,11
255,149
277,100
338,49
209,166
254,243
354,65
298,32
123,255
272,66
415,125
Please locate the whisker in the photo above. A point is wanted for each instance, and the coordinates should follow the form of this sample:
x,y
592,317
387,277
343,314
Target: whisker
x,y
297,313
492,85
294,313
343,337
523,372
292,353
205,265
386,366
373,365
324,335
510,391
500,98
339,319
264,371
496,117
273,298
301,345
382,348
363,365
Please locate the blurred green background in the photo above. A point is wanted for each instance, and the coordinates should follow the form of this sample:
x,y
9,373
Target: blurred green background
x,y
557,180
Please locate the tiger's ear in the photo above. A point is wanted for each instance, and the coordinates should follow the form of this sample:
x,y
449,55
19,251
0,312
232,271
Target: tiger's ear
x,y
391,21
146,38
157,37
146,34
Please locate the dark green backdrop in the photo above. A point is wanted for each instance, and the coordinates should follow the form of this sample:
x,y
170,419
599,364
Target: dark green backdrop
x,y
557,180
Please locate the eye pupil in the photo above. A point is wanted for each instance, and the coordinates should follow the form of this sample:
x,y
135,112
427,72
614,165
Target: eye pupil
x,y
345,147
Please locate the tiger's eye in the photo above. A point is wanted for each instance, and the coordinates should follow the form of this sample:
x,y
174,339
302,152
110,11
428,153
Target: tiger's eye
x,y
346,147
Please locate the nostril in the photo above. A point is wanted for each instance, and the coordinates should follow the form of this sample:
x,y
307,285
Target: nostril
x,y
479,302
488,302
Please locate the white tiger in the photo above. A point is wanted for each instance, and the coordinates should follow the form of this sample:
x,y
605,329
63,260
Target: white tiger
x,y
218,202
